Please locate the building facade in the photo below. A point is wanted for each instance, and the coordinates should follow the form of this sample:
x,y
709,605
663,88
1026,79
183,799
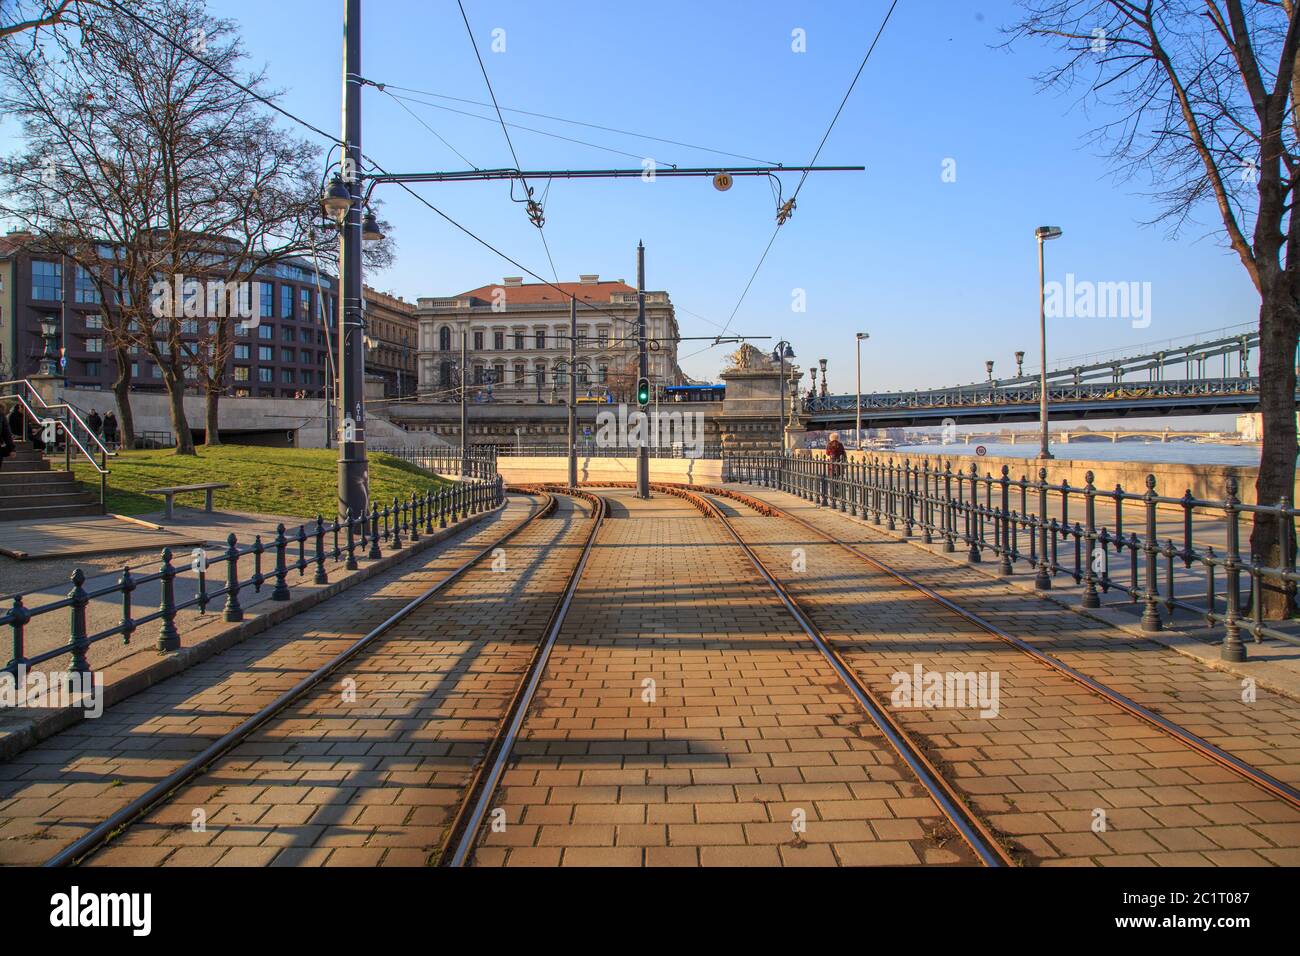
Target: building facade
x,y
283,356
517,341
391,330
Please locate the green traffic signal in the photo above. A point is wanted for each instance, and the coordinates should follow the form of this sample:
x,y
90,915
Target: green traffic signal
x,y
643,392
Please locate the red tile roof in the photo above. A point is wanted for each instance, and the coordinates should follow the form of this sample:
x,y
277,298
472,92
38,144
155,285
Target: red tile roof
x,y
534,293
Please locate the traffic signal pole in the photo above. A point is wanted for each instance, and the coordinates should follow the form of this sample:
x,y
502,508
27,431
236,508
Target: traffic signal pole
x,y
353,484
643,453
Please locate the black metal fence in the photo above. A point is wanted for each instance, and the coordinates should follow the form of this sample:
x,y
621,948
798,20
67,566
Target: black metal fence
x,y
705,450
1085,533
313,545
480,461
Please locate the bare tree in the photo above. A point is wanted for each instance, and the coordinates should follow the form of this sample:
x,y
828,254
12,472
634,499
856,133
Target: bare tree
x,y
17,16
1202,102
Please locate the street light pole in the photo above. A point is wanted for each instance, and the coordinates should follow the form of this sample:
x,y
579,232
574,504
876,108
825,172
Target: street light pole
x,y
643,453
1042,234
573,391
353,484
464,389
857,430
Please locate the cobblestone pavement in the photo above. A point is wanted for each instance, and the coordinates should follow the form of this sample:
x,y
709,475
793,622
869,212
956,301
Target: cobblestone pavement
x,y
684,719
324,764
1055,757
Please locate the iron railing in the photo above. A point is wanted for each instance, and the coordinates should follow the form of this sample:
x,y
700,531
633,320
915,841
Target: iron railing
x,y
479,462
710,450
65,422
317,544
1084,533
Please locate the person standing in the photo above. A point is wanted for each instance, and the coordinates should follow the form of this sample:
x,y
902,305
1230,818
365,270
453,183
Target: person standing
x,y
94,423
16,423
110,429
6,440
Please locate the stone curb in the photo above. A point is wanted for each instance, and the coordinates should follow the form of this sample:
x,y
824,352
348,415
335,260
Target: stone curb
x,y
1266,675
130,675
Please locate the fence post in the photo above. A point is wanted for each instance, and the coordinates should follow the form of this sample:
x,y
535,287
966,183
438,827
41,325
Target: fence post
x,y
80,665
1150,610
1232,648
321,577
972,518
1090,596
351,563
1004,523
1043,579
397,524
169,639
281,590
374,554
232,610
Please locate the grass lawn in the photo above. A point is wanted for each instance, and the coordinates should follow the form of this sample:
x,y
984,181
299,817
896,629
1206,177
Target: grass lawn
x,y
302,482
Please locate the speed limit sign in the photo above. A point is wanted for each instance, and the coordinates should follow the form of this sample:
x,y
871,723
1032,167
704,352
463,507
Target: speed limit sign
x,y
722,182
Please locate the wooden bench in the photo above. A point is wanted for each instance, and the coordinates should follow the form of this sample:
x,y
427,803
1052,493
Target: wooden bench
x,y
170,493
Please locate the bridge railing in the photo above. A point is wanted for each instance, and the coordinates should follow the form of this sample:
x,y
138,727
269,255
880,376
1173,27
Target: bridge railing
x,y
1104,540
254,566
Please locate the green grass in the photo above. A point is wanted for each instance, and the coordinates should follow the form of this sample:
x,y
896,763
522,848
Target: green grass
x,y
302,482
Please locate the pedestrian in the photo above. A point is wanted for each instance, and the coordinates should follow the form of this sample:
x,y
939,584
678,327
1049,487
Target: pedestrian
x,y
836,453
6,439
16,425
110,429
94,423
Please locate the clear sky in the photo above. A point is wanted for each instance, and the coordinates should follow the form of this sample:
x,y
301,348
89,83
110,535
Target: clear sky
x,y
942,274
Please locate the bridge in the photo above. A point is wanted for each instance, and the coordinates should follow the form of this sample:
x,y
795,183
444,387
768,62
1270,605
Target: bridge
x,y
1109,386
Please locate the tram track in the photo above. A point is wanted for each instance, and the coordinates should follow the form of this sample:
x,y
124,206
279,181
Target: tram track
x,y
174,783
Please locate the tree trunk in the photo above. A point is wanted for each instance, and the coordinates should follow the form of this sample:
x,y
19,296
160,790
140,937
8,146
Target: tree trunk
x,y
1271,541
122,392
211,403
176,400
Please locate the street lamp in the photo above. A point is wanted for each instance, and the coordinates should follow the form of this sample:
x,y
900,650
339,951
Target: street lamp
x,y
1020,365
988,365
782,354
1042,234
337,200
857,431
50,334
370,231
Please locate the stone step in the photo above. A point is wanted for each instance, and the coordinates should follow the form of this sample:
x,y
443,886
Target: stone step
x,y
12,490
47,512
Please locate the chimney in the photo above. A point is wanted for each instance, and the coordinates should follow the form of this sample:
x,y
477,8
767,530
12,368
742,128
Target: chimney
x,y
588,279
512,281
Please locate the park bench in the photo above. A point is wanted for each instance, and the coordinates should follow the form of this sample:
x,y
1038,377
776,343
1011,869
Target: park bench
x,y
170,493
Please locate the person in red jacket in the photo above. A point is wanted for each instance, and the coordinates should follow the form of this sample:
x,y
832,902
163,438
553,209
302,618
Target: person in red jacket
x,y
836,453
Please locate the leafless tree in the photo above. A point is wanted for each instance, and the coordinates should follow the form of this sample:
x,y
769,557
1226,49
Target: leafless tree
x,y
18,16
1200,104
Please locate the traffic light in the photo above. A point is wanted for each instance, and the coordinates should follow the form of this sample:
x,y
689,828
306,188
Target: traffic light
x,y
643,392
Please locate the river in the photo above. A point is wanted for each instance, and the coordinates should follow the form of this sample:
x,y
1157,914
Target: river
x,y
1174,452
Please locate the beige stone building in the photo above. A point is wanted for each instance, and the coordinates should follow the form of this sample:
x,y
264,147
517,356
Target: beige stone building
x,y
517,340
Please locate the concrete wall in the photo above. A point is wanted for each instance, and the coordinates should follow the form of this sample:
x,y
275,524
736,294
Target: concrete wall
x,y
682,470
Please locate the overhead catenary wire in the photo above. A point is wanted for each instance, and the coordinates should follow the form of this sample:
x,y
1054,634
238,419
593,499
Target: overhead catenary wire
x,y
789,205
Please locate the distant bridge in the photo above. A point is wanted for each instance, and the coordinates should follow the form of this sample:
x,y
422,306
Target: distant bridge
x,y
1105,388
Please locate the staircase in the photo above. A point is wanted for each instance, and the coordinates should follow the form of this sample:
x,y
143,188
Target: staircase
x,y
29,489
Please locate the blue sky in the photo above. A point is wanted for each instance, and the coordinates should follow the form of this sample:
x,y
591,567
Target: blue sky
x,y
943,275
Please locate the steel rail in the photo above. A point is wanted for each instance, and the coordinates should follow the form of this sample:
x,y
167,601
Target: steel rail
x,y
972,829
102,833
1252,774
463,832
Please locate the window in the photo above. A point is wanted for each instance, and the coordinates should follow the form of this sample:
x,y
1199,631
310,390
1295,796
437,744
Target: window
x,y
444,372
519,341
286,302
582,337
478,341
84,288
47,280
499,373
241,393
286,376
92,369
265,332
519,373
286,334
135,369
264,375
94,322
189,326
582,375
267,300
478,374
304,304
94,345
561,374
499,341
305,336
305,357
157,371
241,352
241,373
602,374
540,377
444,339
539,339
602,337
288,355
265,353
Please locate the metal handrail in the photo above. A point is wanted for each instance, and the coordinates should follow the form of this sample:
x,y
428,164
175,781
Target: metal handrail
x,y
71,411
978,514
350,536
